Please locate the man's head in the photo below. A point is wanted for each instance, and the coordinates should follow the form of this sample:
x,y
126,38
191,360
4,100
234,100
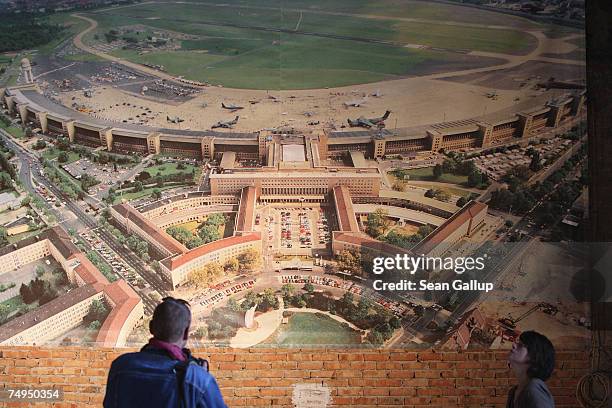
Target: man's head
x,y
171,321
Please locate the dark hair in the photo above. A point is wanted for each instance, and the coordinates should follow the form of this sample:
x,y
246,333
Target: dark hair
x,y
170,320
541,355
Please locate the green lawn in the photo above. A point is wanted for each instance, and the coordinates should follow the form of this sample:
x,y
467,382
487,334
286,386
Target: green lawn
x,y
169,168
51,153
450,190
15,304
15,131
226,49
140,194
426,174
309,329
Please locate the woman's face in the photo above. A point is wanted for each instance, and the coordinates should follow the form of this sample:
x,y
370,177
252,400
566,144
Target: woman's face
x,y
519,355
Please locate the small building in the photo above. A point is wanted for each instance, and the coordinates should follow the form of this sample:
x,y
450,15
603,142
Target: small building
x,y
9,201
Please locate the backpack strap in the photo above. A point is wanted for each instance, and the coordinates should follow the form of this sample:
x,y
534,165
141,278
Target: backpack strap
x,y
180,370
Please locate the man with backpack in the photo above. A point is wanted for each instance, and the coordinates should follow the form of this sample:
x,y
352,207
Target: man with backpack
x,y
163,373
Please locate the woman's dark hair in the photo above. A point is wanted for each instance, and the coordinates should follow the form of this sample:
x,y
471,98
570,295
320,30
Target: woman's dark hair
x,y
541,354
170,319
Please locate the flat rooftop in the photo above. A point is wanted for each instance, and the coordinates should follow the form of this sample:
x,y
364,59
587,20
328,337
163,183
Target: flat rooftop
x,y
294,153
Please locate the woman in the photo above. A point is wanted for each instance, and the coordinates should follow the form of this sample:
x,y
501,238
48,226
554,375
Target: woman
x,y
532,359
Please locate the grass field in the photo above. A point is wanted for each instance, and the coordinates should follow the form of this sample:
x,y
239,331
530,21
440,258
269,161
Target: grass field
x,y
51,153
169,168
314,329
236,39
15,131
426,174
140,194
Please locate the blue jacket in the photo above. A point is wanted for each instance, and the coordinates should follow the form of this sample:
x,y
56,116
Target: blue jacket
x,y
147,379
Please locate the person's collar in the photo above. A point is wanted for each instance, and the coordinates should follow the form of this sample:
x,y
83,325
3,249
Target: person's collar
x,y
175,352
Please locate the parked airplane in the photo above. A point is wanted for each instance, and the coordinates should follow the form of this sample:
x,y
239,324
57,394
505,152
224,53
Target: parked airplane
x,y
174,119
229,124
369,123
231,107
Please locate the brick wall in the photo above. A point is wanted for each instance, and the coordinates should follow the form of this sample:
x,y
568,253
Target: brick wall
x,y
265,377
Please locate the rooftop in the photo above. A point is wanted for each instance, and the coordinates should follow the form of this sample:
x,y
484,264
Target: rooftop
x,y
161,237
344,209
48,310
469,211
246,210
178,261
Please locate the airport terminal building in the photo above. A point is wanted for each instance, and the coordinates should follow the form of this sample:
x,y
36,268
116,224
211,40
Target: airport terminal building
x,y
32,107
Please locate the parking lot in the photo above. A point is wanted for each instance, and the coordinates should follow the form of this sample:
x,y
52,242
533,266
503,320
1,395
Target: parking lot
x,y
103,172
296,230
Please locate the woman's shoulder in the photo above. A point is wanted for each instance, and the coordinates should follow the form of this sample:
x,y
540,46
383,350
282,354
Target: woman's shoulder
x,y
537,392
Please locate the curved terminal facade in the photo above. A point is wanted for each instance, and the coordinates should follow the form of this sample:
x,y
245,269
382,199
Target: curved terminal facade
x,y
55,119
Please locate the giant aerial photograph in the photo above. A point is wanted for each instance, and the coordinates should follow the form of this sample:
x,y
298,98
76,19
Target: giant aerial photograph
x,y
280,165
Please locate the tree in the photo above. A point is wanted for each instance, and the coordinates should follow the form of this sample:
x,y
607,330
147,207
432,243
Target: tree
x,y
201,332
501,199
250,299
461,201
232,265
97,311
233,305
142,247
143,175
521,172
363,308
216,219
26,201
181,234
437,171
268,299
287,291
209,233
39,145
194,242
474,178
442,195
62,157
39,271
536,164
95,325
156,194
399,185
203,277
3,237
26,294
378,223
430,193
6,165
309,288
5,180
249,259
138,186
4,312
349,261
